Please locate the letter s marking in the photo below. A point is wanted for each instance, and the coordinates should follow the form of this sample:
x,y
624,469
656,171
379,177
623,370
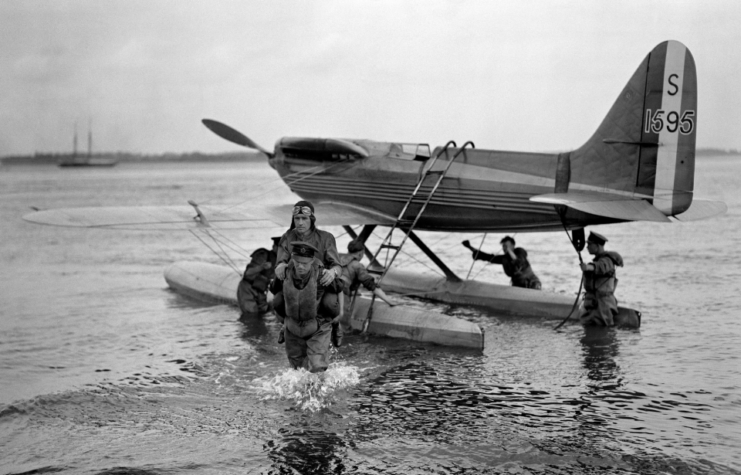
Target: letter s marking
x,y
676,88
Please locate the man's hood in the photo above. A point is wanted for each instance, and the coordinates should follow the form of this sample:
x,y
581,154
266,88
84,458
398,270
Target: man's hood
x,y
616,258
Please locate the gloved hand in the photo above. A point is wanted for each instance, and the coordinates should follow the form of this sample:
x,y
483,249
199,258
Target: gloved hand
x,y
281,336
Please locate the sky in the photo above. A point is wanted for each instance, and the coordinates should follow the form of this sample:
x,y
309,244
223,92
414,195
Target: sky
x,y
508,75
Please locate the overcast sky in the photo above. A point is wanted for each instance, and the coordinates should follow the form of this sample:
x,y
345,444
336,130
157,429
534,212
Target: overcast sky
x,y
509,75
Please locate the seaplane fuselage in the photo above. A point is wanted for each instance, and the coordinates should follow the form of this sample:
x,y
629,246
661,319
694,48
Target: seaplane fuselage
x,y
482,190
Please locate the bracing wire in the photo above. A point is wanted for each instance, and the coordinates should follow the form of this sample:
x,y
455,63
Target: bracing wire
x,y
402,251
473,261
268,184
320,169
483,268
421,262
445,236
339,162
221,248
233,265
340,235
232,245
227,262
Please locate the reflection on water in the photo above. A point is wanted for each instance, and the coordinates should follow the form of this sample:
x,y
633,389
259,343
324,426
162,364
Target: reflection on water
x,y
305,450
600,348
259,329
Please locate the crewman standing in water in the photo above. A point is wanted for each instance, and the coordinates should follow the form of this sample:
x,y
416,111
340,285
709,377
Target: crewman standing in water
x,y
307,321
514,262
600,305
252,289
355,274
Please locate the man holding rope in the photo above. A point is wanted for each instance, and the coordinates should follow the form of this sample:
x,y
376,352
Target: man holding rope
x,y
600,305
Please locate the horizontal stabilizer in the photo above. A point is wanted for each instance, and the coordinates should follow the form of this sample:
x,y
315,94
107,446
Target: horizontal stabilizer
x,y
174,218
702,209
610,206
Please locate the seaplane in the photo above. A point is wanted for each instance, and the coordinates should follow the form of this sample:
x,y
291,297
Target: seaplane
x,y
637,166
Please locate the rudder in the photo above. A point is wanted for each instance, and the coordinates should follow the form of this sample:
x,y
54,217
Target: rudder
x,y
645,146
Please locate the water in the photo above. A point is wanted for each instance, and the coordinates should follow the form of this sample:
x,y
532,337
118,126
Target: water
x,y
105,370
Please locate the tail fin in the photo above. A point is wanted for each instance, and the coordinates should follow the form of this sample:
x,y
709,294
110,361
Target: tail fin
x,y
645,146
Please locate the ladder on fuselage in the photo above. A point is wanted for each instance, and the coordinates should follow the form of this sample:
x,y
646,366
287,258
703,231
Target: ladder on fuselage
x,y
407,225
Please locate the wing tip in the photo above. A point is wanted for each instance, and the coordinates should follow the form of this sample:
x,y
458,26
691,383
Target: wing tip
x,y
43,217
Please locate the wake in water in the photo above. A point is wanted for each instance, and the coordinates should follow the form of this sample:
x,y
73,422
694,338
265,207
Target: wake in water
x,y
310,391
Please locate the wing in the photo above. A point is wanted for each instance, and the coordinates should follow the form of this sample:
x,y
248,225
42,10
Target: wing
x,y
329,213
149,218
224,217
610,206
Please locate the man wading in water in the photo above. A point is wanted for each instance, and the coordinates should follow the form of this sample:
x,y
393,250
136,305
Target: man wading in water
x,y
303,228
252,290
308,321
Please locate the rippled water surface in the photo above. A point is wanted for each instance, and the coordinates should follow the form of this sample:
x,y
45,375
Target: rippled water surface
x,y
105,370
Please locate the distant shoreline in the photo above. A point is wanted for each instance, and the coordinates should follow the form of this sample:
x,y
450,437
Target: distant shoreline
x,y
54,159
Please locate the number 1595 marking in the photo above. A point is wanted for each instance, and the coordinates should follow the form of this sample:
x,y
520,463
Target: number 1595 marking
x,y
655,122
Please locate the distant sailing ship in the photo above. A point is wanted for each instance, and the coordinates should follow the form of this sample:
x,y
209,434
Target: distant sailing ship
x,y
87,160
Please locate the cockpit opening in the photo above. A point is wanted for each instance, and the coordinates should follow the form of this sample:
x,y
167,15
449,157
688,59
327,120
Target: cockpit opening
x,y
410,151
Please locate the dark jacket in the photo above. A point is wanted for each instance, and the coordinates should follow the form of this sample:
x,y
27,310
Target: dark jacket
x,y
256,274
355,274
600,305
335,286
322,240
602,280
518,269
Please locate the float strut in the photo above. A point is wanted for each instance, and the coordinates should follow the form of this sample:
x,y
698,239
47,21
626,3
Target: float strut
x,y
449,274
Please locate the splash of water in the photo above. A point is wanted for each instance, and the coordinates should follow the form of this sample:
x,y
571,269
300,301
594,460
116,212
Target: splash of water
x,y
309,391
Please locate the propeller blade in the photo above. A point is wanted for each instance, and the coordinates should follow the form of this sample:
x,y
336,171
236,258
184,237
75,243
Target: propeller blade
x,y
232,135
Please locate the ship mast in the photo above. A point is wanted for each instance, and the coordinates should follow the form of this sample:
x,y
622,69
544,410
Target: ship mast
x,y
74,142
89,138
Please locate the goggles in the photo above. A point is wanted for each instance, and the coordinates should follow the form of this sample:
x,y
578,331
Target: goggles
x,y
302,210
